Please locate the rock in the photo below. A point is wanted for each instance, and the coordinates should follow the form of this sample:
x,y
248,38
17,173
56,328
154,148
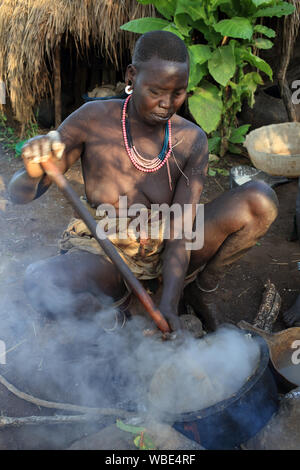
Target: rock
x,y
267,110
283,431
109,438
103,91
163,436
192,324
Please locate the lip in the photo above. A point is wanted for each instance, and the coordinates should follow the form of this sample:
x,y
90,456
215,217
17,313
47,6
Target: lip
x,y
162,117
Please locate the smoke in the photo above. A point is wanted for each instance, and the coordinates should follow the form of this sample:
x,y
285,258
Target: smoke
x,y
95,360
204,372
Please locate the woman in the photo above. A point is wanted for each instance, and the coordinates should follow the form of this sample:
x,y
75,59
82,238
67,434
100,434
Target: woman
x,y
140,148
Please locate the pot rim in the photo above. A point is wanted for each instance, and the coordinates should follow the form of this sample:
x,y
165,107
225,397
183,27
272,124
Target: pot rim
x,y
220,406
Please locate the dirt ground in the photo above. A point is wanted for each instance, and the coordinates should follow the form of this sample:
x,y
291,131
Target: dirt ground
x,y
30,233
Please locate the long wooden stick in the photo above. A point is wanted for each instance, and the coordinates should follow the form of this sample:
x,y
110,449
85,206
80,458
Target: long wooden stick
x,y
55,174
8,421
63,406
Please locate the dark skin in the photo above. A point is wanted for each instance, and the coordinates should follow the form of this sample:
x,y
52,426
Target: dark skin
x,y
93,133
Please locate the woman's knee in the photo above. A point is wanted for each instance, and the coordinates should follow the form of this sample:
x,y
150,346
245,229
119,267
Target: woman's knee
x,y
40,287
34,276
262,201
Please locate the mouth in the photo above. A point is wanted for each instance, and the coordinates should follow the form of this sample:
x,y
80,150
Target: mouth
x,y
162,117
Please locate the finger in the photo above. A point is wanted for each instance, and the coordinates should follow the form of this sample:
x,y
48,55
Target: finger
x,y
35,152
56,144
174,323
26,153
45,148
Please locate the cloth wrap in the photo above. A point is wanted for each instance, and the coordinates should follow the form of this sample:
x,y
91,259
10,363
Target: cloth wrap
x,y
142,255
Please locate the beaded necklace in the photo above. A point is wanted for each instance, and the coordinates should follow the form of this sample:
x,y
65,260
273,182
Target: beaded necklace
x,y
143,164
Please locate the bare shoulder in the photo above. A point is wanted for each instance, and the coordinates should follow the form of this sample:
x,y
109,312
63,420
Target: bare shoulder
x,y
97,110
95,115
190,137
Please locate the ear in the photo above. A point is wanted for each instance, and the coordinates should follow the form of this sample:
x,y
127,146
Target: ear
x,y
130,74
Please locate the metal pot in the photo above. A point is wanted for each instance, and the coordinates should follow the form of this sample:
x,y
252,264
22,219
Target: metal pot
x,y
233,421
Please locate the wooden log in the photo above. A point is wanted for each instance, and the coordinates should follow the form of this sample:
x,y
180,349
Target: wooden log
x,y
269,308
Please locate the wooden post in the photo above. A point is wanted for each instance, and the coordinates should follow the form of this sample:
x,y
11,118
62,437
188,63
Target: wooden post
x,y
287,40
57,84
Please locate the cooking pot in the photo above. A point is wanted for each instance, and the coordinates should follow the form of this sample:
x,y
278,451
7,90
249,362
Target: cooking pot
x,y
231,422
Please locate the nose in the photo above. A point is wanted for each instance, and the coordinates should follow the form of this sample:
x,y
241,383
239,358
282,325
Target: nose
x,y
165,102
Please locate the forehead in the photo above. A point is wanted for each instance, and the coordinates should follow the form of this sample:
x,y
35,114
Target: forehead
x,y
163,73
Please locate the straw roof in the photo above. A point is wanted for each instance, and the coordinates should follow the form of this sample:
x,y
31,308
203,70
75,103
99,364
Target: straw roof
x,y
31,29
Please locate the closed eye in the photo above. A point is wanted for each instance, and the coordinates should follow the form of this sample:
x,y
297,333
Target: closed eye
x,y
179,93
154,92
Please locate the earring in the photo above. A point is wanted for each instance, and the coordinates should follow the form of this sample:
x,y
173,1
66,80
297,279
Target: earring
x,y
128,90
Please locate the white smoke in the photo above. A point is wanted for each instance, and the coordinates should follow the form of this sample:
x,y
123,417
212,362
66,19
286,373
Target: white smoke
x,y
204,372
92,361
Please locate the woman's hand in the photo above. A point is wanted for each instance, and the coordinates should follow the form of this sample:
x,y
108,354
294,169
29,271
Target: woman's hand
x,y
39,149
171,315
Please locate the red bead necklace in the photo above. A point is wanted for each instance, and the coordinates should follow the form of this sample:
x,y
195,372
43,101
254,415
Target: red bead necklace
x,y
142,164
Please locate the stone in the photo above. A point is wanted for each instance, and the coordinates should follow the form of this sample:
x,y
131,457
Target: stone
x,y
283,430
163,436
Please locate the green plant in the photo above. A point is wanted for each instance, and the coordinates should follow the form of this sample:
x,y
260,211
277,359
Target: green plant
x,y
222,37
142,441
31,130
9,136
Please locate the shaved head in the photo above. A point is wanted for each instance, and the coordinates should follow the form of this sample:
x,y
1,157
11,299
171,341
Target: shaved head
x,y
161,44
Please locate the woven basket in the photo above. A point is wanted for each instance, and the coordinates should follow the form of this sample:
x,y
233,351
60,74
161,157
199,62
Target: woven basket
x,y
275,149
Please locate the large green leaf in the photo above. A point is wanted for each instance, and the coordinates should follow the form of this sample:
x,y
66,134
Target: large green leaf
x,y
245,88
143,25
259,28
194,8
214,4
251,80
222,64
211,36
173,29
257,62
282,9
262,43
237,136
200,53
236,27
197,72
183,23
206,106
258,3
165,7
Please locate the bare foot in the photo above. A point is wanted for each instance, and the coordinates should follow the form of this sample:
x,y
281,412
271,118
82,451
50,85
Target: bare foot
x,y
292,315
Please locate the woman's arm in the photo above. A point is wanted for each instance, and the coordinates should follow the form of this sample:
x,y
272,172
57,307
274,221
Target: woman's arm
x,y
64,148
177,256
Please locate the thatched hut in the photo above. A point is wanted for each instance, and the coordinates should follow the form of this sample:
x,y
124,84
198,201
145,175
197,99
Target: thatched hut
x,y
55,51
40,39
